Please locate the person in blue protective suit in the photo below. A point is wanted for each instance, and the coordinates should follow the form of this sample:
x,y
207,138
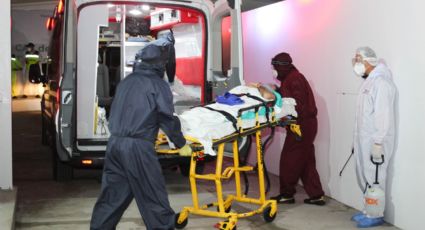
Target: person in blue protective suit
x,y
374,131
142,105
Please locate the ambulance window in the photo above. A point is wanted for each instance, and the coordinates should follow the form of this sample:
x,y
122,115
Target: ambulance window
x,y
190,67
55,50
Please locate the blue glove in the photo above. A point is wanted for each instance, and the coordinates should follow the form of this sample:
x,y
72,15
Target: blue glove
x,y
229,99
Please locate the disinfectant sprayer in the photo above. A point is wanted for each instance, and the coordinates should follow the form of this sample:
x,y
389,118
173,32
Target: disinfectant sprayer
x,y
375,196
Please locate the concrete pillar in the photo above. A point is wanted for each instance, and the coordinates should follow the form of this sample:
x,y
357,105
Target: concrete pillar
x,y
5,98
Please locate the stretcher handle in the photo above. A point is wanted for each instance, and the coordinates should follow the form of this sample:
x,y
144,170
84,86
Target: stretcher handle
x,y
377,164
287,120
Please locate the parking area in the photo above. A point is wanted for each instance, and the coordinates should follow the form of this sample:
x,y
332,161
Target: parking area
x,y
43,203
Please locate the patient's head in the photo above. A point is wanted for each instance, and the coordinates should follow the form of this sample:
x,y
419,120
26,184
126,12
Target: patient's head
x,y
266,93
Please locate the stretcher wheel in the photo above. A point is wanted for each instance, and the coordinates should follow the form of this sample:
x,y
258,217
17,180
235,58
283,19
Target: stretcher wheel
x,y
231,228
182,224
224,226
266,215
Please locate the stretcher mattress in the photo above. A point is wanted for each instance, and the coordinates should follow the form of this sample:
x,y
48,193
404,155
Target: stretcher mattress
x,y
207,125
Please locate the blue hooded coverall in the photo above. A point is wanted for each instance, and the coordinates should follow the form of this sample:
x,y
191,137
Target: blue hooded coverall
x,y
143,103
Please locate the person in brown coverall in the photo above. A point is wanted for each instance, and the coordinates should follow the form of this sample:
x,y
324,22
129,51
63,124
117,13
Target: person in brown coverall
x,y
297,158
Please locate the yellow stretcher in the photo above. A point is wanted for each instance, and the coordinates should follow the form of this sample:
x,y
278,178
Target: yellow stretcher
x,y
223,205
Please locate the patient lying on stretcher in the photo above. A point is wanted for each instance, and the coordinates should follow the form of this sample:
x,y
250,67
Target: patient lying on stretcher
x,y
209,122
266,91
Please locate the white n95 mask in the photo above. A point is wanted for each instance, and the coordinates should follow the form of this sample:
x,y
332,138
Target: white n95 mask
x,y
359,69
275,73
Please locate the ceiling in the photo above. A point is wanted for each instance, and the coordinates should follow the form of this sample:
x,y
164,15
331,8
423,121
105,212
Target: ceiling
x,y
253,4
247,4
30,1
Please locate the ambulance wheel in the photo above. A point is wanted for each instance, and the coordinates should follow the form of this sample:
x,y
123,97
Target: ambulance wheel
x,y
234,228
44,136
266,215
182,224
61,170
224,225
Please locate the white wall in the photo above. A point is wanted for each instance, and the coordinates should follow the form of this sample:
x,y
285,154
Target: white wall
x,y
322,36
5,99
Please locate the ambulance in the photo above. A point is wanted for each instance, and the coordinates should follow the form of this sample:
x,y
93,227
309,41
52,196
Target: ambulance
x,y
92,48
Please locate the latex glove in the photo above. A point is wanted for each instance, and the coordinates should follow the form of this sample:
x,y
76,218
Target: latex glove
x,y
377,152
296,129
185,151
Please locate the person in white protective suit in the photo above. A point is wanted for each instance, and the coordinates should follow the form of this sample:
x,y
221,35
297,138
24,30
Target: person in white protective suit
x,y
374,132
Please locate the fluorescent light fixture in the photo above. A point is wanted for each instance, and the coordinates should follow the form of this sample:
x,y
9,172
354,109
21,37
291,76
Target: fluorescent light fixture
x,y
135,12
110,5
146,7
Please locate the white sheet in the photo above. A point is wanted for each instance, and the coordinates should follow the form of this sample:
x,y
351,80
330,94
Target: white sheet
x,y
207,125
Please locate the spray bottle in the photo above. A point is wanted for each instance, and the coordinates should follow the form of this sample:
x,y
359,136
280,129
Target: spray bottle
x,y
375,196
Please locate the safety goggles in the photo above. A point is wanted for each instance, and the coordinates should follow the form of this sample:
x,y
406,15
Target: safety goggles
x,y
274,62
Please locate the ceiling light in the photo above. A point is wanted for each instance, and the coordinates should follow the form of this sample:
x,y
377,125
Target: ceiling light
x,y
135,12
146,7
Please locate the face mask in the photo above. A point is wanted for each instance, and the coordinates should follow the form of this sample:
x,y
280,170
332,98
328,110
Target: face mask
x,y
275,73
359,69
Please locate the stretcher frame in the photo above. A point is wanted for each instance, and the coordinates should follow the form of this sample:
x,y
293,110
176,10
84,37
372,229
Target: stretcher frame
x,y
267,207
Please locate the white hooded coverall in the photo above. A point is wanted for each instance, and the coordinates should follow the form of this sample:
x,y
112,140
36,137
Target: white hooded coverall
x,y
375,124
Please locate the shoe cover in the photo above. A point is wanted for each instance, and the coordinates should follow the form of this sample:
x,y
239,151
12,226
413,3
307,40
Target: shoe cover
x,y
370,222
358,216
